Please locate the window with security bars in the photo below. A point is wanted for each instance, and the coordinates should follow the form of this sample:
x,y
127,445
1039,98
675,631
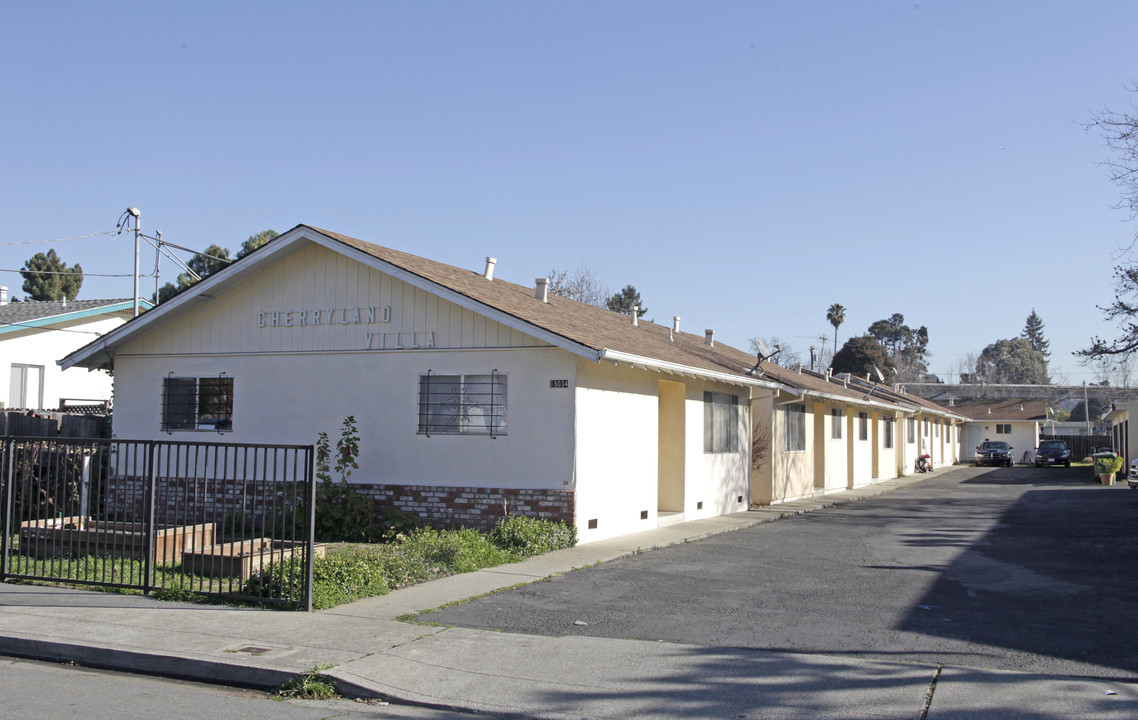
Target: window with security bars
x,y
720,422
463,404
197,403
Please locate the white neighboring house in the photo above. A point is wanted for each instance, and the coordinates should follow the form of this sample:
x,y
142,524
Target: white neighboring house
x,y
35,335
1124,437
473,396
1013,420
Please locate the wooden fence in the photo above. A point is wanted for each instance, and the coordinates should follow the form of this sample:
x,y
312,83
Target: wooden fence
x,y
54,424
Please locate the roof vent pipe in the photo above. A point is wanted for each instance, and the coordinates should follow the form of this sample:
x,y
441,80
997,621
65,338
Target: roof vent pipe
x,y
676,323
635,315
490,263
709,338
3,294
541,290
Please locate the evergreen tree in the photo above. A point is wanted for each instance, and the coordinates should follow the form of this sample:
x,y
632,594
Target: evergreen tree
x,y
860,355
1033,333
623,302
47,277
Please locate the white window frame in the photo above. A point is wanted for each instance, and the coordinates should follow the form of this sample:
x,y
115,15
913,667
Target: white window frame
x,y
463,404
1003,428
19,391
197,404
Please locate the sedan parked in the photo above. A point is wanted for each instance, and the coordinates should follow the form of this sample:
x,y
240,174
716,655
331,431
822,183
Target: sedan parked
x,y
1052,452
994,452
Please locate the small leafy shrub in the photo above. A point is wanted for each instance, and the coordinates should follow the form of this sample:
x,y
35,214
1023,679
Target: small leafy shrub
x,y
336,579
309,686
532,536
344,515
456,551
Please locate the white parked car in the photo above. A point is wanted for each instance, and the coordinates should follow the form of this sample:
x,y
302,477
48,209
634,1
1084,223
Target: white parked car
x,y
1132,478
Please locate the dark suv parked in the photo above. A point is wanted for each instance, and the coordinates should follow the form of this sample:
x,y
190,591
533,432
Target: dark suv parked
x,y
1052,452
994,452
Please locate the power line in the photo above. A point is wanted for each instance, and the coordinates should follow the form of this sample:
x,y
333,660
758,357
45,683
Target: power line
x,y
78,237
83,273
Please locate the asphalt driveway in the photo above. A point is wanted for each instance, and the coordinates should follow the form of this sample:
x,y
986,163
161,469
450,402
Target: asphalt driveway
x,y
1010,568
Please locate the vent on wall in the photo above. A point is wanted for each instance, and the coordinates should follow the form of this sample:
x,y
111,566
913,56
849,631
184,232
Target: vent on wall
x,y
699,505
643,514
593,524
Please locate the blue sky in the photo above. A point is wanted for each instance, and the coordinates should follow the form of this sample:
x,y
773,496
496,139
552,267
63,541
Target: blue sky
x,y
743,164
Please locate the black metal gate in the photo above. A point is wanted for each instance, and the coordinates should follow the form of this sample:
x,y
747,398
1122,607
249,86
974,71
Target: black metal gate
x,y
174,519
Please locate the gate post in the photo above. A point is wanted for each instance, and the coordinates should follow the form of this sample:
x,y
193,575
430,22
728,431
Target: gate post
x,y
310,491
148,518
7,473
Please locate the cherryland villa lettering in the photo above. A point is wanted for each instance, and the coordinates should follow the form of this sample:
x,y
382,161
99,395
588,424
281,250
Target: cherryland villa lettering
x,y
349,316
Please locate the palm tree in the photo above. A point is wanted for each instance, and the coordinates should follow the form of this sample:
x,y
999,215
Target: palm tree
x,y
836,315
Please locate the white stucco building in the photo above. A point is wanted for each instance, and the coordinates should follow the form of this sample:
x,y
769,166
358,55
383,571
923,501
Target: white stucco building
x,y
35,335
473,395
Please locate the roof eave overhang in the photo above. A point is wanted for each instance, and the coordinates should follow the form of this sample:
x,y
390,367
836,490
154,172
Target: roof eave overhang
x,y
646,363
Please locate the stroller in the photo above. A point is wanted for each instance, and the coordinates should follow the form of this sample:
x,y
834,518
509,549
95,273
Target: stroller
x,y
924,464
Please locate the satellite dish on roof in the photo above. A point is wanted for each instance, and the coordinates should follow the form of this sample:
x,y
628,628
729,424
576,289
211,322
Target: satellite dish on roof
x,y
880,377
763,349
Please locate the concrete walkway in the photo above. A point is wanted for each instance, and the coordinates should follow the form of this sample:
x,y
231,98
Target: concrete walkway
x,y
371,654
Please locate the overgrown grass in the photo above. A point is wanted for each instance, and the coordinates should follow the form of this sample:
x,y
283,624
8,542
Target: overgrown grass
x,y
346,573
354,571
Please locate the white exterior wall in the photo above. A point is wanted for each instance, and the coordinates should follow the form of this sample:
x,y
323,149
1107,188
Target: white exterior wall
x,y
618,417
793,475
833,463
291,398
1024,437
887,458
909,449
861,451
44,346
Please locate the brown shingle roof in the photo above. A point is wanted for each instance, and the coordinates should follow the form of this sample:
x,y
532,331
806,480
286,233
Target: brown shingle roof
x,y
588,326
1012,410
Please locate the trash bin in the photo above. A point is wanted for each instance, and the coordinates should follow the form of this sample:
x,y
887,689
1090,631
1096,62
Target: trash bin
x,y
1101,467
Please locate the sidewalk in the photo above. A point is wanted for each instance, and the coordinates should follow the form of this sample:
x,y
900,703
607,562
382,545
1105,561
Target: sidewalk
x,y
500,674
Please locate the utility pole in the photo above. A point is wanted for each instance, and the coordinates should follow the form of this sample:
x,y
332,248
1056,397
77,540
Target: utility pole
x,y
137,215
1086,408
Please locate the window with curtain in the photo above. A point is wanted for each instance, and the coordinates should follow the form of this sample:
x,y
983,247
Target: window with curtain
x,y
720,422
794,420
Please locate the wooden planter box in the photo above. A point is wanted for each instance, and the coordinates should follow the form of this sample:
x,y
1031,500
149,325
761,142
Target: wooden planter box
x,y
243,559
77,535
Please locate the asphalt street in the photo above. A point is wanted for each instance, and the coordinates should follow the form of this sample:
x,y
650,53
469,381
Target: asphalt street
x,y
1008,568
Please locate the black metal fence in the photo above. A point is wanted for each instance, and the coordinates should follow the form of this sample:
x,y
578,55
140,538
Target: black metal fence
x,y
169,518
